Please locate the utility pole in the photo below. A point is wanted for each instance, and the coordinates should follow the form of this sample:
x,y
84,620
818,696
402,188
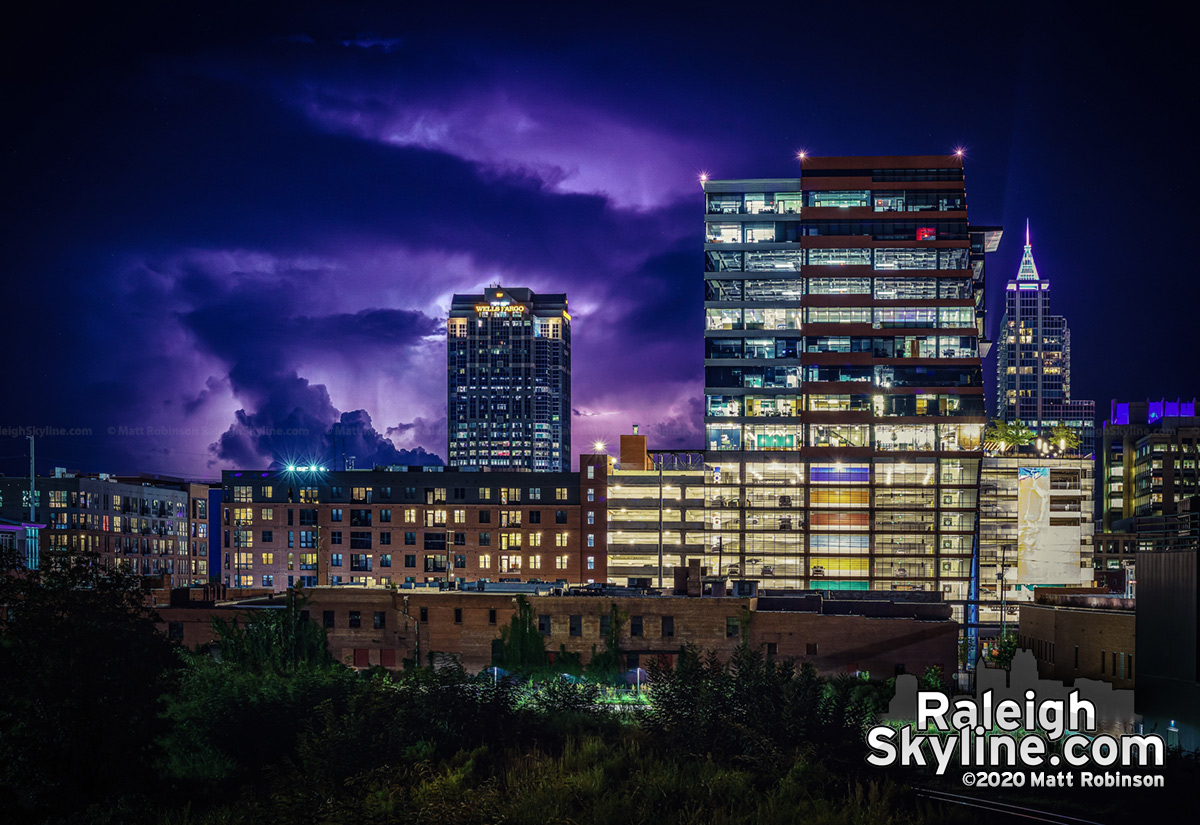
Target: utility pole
x,y
660,522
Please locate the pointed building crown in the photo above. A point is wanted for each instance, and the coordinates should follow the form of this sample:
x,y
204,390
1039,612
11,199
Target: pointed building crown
x,y
1028,270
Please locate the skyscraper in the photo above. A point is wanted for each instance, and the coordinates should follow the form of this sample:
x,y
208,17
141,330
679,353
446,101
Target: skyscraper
x,y
509,380
844,405
1033,363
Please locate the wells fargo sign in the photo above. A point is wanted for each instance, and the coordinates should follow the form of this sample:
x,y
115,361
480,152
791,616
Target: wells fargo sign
x,y
499,309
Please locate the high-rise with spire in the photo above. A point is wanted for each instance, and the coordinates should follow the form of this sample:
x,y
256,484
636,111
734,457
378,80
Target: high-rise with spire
x,y
1033,364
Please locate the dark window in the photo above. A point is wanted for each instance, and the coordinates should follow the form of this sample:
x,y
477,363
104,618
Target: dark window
x,y
385,560
410,560
360,518
492,616
435,541
560,516
633,660
327,617
460,539
535,516
635,625
291,517
360,540
605,624
175,631
544,624
485,539
335,536
385,538
772,648
576,625
668,627
410,537
460,562
380,619
458,615
810,648
1102,658
268,536
731,627
485,516
385,516
308,518
424,614
355,618
335,514
900,669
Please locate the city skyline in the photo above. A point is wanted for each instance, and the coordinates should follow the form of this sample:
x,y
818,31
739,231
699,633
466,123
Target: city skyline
x,y
255,225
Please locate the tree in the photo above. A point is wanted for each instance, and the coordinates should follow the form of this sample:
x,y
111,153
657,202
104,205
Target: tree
x,y
605,666
273,641
1006,649
82,667
1008,434
1064,438
522,647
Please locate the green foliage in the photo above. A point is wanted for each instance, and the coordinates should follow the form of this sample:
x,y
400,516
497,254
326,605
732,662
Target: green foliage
x,y
1006,649
273,641
82,667
522,648
933,679
1064,438
1008,434
605,666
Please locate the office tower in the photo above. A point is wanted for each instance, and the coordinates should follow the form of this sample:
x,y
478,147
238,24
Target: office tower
x,y
405,526
509,380
1033,362
1150,454
844,393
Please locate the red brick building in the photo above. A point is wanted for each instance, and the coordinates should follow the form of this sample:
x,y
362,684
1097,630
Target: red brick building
x,y
882,638
310,526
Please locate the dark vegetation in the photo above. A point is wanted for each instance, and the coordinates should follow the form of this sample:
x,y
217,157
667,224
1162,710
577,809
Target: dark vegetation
x,y
103,721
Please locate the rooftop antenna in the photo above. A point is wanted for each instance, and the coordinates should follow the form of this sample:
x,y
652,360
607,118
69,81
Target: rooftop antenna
x,y
31,481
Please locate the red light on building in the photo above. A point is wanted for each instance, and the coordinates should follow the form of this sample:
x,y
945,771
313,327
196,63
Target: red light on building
x,y
926,233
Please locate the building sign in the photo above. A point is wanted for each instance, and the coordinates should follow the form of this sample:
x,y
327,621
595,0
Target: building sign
x,y
498,308
1045,555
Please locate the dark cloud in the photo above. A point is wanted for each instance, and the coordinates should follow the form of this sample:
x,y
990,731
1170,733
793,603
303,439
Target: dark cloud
x,y
249,221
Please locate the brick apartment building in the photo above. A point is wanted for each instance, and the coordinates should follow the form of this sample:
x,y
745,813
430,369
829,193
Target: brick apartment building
x,y
396,526
139,523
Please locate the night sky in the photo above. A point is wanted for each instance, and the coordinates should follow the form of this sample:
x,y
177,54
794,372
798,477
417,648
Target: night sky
x,y
222,224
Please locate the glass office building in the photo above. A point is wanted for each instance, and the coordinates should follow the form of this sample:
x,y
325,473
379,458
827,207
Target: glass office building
x,y
1033,360
509,380
844,406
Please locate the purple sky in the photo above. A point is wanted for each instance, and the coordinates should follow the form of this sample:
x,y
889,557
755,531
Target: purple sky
x,y
228,227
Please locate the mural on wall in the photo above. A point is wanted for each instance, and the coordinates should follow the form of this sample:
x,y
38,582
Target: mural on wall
x,y
1046,554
